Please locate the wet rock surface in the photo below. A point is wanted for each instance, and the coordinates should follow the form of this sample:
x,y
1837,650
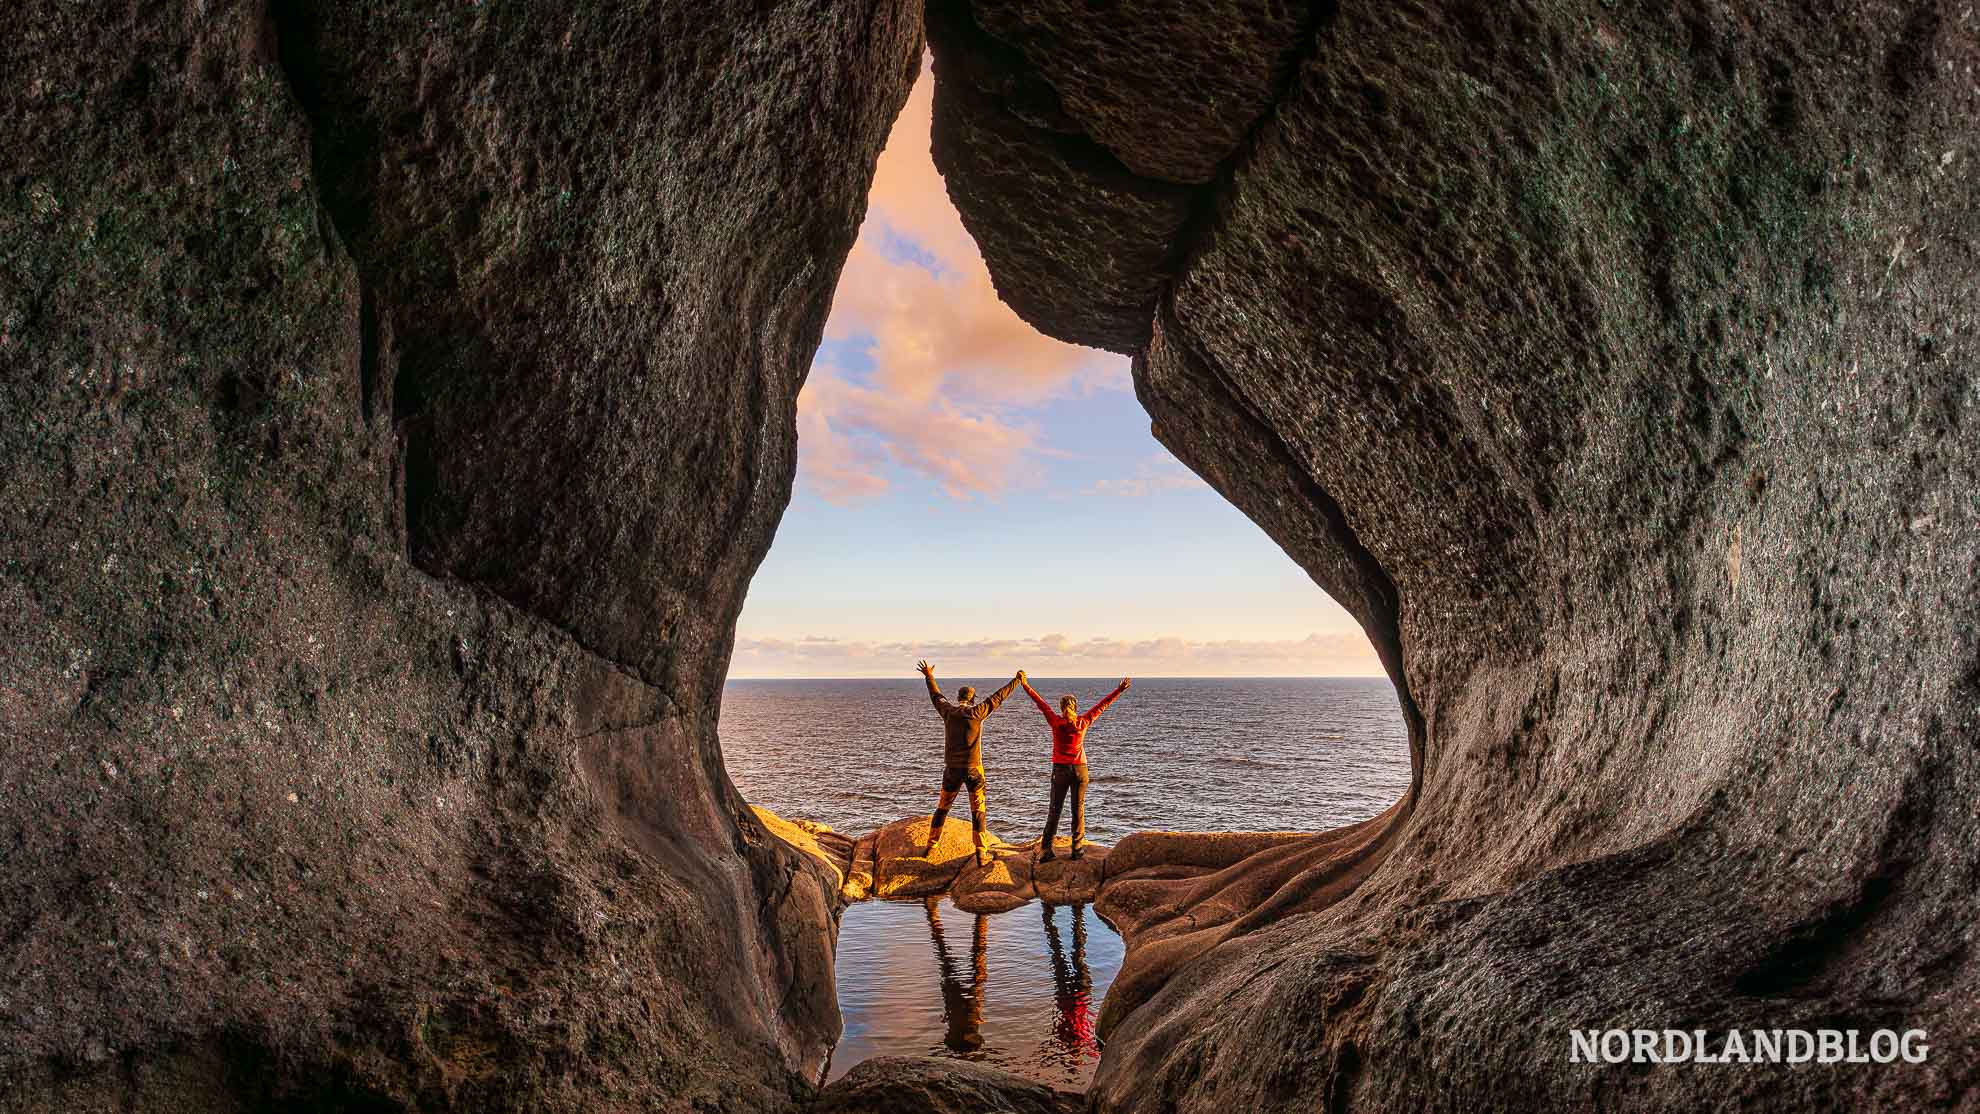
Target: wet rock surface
x,y
396,400
1590,357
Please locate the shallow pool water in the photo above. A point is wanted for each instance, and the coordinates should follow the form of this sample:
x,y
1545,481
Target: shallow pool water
x,y
1018,990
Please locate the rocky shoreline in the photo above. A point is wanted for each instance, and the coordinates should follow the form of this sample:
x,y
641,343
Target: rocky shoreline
x,y
888,863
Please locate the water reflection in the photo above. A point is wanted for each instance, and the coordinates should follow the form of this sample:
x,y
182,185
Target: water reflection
x,y
962,1003
901,997
1072,984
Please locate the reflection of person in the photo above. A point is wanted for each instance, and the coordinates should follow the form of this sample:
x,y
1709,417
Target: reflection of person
x,y
1072,984
962,753
962,1005
1068,761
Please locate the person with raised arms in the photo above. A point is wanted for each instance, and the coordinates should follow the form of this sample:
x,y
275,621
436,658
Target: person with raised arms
x,y
1069,726
962,753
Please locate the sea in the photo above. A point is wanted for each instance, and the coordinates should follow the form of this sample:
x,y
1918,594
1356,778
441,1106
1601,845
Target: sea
x,y
1020,990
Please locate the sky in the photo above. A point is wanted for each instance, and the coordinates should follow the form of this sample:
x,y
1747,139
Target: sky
x,y
972,492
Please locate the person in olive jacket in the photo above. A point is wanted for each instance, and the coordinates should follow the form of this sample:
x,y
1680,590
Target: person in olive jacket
x,y
962,753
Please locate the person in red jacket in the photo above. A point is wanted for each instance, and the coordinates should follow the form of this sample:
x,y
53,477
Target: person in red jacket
x,y
1069,761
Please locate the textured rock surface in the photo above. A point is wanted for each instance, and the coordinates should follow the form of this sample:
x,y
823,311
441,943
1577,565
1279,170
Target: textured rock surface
x,y
832,850
1076,242
1065,881
1175,896
1002,884
1615,365
1181,854
398,397
289,818
901,870
1165,87
939,1085
859,878
888,863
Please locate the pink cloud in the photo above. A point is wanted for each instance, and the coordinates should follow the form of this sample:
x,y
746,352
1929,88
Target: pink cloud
x,y
842,469
852,427
947,354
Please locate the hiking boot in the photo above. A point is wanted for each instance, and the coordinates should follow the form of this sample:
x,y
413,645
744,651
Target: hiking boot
x,y
1074,853
1047,855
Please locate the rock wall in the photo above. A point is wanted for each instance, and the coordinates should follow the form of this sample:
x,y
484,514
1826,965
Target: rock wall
x,y
397,400
1618,366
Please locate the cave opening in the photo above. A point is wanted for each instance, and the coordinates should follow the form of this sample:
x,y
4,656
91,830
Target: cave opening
x,y
973,492
403,399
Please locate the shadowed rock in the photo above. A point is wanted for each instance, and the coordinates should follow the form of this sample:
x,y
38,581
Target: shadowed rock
x,y
1179,854
1066,881
398,397
1078,244
1003,884
932,1085
1169,87
1174,896
859,879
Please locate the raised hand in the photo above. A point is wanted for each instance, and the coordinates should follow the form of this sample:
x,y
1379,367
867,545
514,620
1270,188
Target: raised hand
x,y
1126,682
1022,679
925,669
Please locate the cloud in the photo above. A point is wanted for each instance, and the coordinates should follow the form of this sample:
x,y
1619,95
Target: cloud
x,y
1322,653
841,468
845,430
930,333
1161,472
948,359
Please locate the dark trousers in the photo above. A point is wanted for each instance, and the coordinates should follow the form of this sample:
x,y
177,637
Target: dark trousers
x,y
1067,777
953,779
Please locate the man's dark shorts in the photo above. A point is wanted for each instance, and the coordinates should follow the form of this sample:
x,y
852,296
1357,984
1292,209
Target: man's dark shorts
x,y
954,779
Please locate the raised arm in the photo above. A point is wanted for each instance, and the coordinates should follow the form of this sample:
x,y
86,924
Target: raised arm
x,y
1093,713
1050,715
928,674
997,698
